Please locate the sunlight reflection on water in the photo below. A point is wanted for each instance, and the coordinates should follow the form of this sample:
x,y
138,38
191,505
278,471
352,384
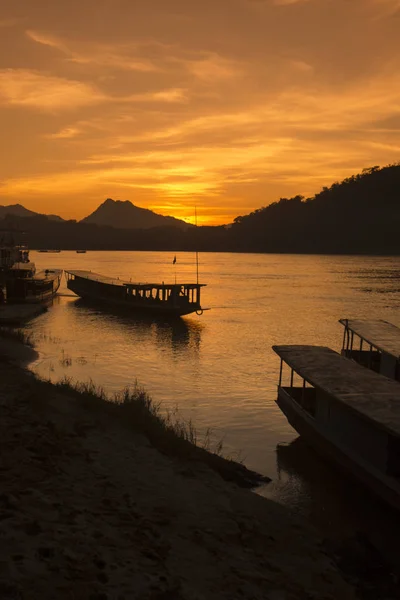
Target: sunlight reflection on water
x,y
219,369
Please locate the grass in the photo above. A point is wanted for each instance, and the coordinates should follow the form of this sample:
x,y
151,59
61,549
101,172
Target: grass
x,y
167,431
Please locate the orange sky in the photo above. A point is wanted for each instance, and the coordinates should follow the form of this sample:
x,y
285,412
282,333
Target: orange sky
x,y
223,104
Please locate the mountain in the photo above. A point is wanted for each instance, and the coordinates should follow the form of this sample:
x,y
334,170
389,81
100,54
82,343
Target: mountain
x,y
125,215
18,210
359,215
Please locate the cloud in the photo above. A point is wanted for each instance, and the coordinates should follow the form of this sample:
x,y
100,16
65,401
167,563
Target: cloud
x,y
213,68
285,2
92,53
386,8
167,95
21,87
64,134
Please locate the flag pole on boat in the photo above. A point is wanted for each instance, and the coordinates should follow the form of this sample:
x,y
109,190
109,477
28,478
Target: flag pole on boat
x,y
174,263
197,252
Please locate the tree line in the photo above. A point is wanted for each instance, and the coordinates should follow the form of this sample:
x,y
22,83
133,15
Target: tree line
x,y
361,214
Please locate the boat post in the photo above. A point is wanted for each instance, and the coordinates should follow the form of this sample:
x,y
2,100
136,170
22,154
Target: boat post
x,y
197,250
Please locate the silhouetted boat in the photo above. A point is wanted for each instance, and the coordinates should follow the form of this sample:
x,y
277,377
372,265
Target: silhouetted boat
x,y
81,251
19,281
348,413
377,345
52,251
154,298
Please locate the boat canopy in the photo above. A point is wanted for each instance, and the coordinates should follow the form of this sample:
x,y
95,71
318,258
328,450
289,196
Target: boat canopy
x,y
382,335
374,397
130,284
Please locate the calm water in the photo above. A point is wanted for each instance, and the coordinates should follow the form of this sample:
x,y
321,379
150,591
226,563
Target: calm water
x,y
219,368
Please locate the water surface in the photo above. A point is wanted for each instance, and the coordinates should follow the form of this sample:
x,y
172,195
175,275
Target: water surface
x,y
219,368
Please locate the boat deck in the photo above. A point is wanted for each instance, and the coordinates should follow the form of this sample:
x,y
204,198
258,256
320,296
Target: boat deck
x,y
47,275
375,397
115,281
381,334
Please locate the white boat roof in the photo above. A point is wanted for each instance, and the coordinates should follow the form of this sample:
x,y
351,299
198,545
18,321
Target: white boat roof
x,y
116,281
373,396
381,334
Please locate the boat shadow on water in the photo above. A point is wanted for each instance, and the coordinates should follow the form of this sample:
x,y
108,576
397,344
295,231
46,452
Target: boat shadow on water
x,y
176,332
359,529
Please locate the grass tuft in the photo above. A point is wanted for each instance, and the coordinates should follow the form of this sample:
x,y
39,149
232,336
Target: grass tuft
x,y
169,432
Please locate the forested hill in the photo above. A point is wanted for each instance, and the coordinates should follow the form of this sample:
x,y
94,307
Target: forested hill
x,y
359,215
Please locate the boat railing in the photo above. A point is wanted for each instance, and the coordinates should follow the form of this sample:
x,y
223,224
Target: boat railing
x,y
305,395
355,347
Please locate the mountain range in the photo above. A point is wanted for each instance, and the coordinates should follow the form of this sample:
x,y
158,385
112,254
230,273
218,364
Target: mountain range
x,y
112,213
359,215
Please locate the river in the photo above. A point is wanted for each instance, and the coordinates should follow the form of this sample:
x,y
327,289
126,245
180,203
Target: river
x,y
219,369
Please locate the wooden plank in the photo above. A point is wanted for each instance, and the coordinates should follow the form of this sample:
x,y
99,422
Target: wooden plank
x,y
379,333
373,396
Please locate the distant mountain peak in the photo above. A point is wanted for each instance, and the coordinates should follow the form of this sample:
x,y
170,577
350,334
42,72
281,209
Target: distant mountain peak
x,y
18,210
123,214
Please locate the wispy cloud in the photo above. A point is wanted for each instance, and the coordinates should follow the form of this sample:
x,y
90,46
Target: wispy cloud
x,y
92,53
21,87
293,94
64,134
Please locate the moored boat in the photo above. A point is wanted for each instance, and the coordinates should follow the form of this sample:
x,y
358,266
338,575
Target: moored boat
x,y
375,344
153,298
25,285
348,413
19,281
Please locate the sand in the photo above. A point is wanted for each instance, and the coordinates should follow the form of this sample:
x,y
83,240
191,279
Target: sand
x,y
89,509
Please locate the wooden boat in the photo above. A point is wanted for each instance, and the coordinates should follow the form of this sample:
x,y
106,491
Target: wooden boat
x,y
375,344
19,281
348,413
154,298
25,285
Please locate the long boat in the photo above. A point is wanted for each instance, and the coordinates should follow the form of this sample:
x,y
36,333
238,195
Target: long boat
x,y
153,298
348,413
375,344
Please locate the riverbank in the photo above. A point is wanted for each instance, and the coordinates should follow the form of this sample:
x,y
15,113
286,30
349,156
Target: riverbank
x,y
91,509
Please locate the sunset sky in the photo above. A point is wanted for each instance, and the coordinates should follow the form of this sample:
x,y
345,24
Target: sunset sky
x,y
223,104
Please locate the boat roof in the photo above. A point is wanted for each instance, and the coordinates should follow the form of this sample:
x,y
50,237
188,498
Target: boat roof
x,y
381,334
22,266
116,281
373,396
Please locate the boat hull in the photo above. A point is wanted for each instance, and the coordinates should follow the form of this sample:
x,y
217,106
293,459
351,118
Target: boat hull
x,y
80,287
39,289
387,488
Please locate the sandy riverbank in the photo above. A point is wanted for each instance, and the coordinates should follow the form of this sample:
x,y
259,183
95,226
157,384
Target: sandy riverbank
x,y
91,510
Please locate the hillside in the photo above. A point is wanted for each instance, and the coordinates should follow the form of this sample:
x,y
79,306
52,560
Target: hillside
x,y
125,215
358,215
20,211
